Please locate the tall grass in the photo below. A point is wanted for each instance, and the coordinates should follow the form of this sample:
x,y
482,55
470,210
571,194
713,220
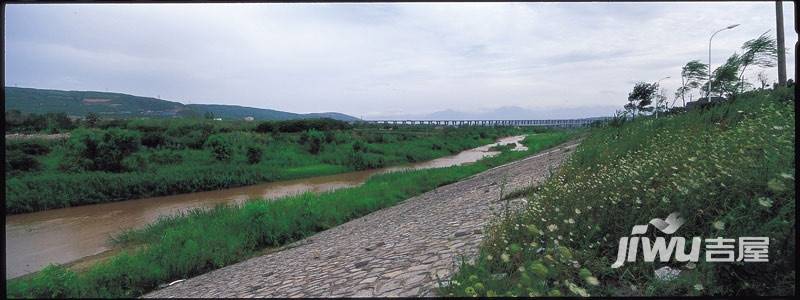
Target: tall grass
x,y
729,171
174,166
201,240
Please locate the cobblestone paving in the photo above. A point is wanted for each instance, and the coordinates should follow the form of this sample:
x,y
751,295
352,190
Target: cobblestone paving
x,y
396,251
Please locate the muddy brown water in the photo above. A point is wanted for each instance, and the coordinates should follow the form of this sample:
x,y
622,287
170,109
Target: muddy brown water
x,y
65,235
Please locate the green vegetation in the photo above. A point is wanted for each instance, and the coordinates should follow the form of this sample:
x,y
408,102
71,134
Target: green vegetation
x,y
202,240
127,159
46,123
117,105
728,170
503,147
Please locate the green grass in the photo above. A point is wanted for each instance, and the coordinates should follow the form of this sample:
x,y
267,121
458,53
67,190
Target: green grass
x,y
201,240
179,165
729,171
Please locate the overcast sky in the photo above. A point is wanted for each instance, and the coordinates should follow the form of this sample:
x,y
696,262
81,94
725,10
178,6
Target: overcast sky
x,y
377,60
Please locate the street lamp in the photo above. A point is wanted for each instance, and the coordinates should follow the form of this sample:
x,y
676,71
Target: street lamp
x,y
708,95
658,84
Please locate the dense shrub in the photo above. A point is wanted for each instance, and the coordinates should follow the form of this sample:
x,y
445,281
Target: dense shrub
x,y
31,147
503,147
47,123
266,127
18,161
358,146
153,139
188,135
165,157
100,150
254,154
220,147
312,124
330,137
364,161
135,162
312,139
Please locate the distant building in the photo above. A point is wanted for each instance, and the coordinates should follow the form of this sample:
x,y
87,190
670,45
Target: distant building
x,y
217,119
249,118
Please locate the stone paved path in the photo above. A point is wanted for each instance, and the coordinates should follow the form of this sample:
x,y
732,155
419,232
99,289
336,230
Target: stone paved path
x,y
397,251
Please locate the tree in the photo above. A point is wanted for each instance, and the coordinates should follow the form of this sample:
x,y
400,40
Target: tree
x,y
91,119
760,51
692,75
209,115
641,97
725,79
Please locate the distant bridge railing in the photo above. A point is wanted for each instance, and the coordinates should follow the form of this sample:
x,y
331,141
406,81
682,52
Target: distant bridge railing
x,y
546,123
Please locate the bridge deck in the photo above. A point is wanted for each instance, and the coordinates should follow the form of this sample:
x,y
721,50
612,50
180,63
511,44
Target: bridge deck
x,y
551,123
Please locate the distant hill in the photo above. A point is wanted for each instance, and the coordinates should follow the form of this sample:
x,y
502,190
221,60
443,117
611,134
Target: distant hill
x,y
240,112
514,113
332,115
79,103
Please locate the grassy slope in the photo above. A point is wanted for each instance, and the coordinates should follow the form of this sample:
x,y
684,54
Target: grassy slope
x,y
188,245
729,171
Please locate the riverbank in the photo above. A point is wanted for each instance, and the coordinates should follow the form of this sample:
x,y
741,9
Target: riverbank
x,y
727,170
400,251
63,235
200,241
149,158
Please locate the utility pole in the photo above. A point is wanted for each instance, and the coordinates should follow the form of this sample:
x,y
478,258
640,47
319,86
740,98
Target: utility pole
x,y
781,48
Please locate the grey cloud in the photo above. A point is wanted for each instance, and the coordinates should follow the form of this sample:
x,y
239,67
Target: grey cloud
x,y
373,59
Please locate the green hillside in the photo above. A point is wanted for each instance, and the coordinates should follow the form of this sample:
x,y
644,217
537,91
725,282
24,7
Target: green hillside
x,y
79,103
117,105
240,112
332,115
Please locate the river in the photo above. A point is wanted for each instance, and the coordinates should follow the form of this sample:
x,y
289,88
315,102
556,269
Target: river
x,y
64,235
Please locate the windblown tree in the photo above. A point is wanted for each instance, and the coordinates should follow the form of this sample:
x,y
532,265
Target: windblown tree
x,y
760,52
728,79
641,97
725,79
692,76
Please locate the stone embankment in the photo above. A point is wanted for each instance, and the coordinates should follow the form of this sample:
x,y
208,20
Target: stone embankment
x,y
398,251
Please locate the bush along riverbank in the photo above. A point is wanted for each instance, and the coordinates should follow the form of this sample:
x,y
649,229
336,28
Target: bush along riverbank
x,y
128,159
202,240
727,170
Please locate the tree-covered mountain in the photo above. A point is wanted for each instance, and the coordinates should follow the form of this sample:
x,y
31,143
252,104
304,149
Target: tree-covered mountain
x,y
117,105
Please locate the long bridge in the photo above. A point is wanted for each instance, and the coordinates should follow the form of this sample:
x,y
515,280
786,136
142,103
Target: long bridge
x,y
546,123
